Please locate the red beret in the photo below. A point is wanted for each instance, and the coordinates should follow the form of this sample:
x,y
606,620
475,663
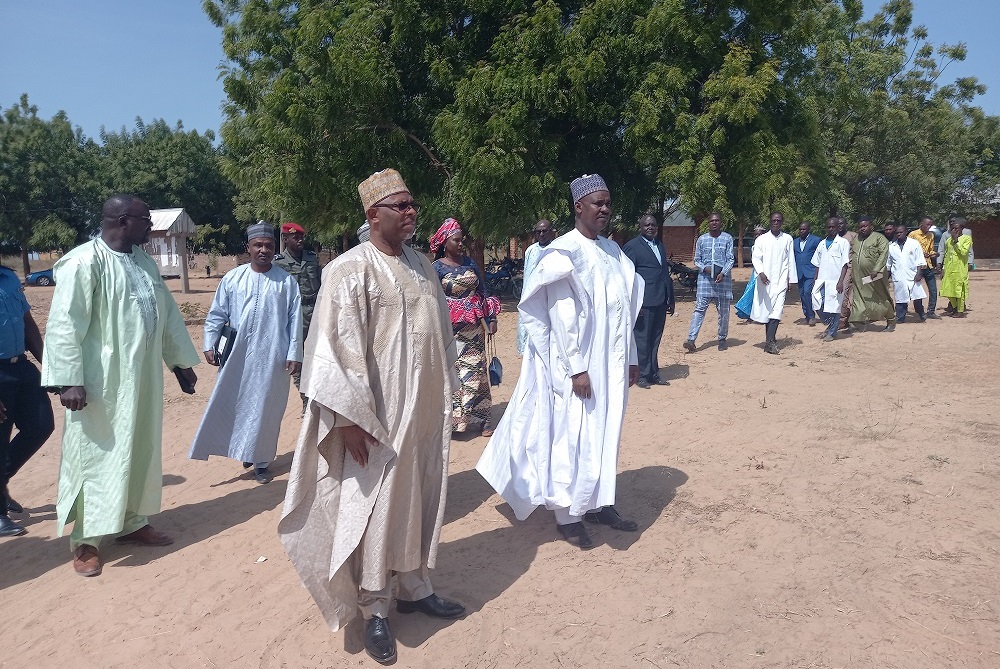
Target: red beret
x,y
292,227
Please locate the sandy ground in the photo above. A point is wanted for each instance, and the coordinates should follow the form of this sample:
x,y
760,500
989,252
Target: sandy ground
x,y
831,507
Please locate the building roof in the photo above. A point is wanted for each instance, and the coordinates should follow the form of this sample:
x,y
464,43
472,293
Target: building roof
x,y
172,221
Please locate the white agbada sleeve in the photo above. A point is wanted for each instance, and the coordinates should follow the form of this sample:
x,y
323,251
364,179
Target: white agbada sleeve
x,y
295,325
564,317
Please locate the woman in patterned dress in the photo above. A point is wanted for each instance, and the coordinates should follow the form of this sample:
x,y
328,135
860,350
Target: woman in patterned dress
x,y
473,313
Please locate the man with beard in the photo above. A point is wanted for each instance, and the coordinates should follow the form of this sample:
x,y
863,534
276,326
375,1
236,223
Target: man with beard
x,y
872,297
557,443
649,256
366,493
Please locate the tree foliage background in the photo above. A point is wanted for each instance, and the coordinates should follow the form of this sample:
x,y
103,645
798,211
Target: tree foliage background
x,y
490,107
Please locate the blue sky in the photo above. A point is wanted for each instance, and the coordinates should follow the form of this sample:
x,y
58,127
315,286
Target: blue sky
x,y
107,62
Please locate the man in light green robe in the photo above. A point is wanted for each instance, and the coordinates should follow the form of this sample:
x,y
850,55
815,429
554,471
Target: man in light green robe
x,y
112,325
872,297
955,269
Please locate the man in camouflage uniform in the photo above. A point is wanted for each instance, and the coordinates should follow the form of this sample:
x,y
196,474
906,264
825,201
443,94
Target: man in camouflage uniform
x,y
304,266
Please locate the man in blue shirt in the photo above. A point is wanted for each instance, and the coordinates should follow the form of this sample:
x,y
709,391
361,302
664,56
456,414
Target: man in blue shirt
x,y
23,402
713,256
804,247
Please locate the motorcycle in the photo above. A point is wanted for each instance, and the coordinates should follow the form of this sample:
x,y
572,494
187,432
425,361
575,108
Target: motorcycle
x,y
504,279
685,276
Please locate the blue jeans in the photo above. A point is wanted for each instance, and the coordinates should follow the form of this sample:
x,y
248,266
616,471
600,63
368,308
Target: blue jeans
x,y
932,291
805,296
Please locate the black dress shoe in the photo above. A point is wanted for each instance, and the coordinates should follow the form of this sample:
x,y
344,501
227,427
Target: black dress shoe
x,y
432,605
723,345
660,382
12,506
576,534
379,642
247,465
608,515
642,383
262,475
8,528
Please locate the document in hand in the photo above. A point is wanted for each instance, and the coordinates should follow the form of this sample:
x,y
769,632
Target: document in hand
x,y
223,347
867,279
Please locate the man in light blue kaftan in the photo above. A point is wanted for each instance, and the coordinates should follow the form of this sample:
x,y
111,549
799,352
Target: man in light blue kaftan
x,y
112,326
261,302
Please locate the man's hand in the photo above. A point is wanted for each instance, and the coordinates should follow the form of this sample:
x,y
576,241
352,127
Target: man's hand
x,y
633,375
707,270
189,376
874,275
763,279
3,413
581,386
210,358
357,442
292,367
73,398
840,286
718,279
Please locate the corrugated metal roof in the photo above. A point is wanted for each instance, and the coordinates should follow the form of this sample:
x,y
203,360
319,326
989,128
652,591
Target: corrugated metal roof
x,y
172,221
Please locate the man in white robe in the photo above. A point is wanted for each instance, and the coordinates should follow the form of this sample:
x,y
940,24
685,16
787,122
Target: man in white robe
x,y
774,262
261,302
907,264
832,260
544,233
557,443
366,493
112,327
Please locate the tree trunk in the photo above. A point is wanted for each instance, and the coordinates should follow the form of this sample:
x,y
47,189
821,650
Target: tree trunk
x,y
739,244
25,263
477,251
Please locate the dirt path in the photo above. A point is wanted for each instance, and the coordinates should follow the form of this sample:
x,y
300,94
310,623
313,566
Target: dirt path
x,y
831,507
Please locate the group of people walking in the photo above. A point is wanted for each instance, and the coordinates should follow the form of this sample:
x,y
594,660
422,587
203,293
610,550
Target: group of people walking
x,y
388,351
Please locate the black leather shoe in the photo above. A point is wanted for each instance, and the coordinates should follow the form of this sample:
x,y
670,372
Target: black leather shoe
x,y
12,506
608,515
262,475
432,605
379,642
723,345
642,383
660,382
8,528
576,534
247,465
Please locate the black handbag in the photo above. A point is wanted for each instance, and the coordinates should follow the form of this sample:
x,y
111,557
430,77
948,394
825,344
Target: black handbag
x,y
495,367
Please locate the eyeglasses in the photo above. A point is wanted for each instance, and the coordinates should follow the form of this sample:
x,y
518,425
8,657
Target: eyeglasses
x,y
542,232
401,207
141,218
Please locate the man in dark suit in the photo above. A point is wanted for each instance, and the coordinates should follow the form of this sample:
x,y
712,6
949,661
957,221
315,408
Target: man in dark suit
x,y
649,256
804,247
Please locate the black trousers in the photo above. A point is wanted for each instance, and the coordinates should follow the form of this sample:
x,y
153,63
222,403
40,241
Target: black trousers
x,y
648,333
29,410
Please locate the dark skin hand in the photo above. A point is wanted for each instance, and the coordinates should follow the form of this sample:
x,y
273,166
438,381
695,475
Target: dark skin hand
x,y
292,367
73,398
358,442
581,382
188,375
210,358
